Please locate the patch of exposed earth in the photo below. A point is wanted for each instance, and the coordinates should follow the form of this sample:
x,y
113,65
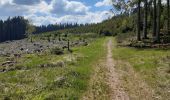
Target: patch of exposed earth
x,y
26,47
11,51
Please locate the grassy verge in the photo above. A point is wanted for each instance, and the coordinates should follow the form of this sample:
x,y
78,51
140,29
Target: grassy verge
x,y
39,83
153,65
98,88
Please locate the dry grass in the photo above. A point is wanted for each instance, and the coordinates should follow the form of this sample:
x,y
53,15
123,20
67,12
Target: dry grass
x,y
150,66
98,87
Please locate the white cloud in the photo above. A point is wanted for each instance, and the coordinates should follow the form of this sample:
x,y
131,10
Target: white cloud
x,y
51,12
41,7
8,9
90,17
3,2
103,3
61,7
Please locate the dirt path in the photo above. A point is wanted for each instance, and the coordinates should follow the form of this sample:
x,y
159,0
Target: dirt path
x,y
116,80
117,92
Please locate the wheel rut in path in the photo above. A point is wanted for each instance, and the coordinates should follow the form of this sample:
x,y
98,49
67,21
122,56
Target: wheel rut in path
x,y
116,90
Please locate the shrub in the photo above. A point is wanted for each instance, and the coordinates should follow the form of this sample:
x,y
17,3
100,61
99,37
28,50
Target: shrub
x,y
57,51
105,33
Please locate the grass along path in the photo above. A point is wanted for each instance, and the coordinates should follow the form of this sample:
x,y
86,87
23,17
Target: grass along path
x,y
52,83
144,73
99,71
105,83
115,78
98,88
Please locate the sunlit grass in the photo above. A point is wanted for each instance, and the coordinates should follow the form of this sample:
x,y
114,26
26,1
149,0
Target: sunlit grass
x,y
34,82
152,65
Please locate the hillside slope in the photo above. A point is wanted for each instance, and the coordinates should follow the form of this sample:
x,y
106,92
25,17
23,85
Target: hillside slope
x,y
113,26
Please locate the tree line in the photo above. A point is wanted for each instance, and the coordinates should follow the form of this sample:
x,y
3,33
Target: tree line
x,y
149,19
12,28
18,28
55,27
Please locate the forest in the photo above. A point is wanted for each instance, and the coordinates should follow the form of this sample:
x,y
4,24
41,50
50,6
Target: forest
x,y
148,22
12,29
17,28
55,27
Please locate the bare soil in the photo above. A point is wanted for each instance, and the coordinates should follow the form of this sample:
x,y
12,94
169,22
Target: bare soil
x,y
117,91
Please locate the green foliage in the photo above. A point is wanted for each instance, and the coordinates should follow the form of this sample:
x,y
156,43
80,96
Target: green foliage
x,y
30,29
110,27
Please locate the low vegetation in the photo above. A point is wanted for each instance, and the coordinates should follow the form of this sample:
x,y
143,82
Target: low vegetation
x,y
64,62
152,65
47,76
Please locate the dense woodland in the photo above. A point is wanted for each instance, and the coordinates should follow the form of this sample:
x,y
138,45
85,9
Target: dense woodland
x,y
12,28
17,28
150,22
119,24
55,27
160,18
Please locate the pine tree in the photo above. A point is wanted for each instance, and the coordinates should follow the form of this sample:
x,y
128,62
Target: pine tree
x,y
145,19
154,19
138,20
158,21
168,17
1,30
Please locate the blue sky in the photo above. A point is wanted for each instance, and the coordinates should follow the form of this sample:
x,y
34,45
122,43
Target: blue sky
x,y
43,12
92,4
